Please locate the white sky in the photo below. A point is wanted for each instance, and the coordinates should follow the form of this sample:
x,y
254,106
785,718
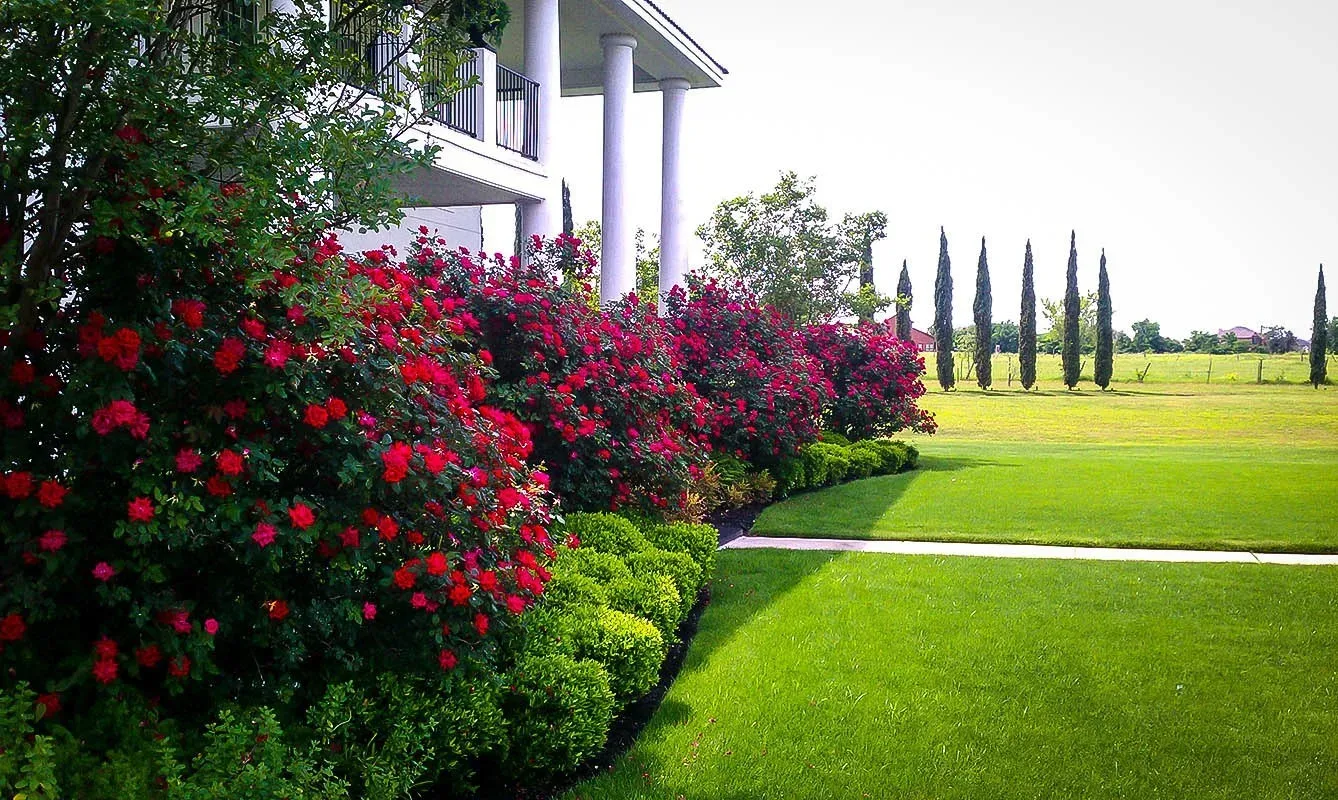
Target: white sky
x,y
1195,140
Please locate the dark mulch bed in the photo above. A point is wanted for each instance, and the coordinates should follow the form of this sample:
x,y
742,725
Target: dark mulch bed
x,y
626,726
735,522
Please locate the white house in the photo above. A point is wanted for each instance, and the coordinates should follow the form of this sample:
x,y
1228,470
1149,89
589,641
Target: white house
x,y
497,142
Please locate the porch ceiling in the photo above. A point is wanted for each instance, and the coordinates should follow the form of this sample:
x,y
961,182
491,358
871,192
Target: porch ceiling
x,y
663,50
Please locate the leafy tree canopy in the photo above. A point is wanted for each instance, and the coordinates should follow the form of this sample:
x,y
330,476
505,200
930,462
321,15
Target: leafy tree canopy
x,y
782,245
1053,310
144,124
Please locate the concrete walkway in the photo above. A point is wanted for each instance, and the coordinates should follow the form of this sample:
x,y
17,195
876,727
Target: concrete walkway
x,y
979,550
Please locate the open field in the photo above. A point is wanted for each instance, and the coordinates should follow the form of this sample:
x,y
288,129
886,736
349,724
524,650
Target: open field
x,y
1243,467
1193,368
861,675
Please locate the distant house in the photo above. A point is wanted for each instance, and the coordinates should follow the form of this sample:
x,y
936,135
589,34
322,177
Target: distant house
x,y
922,341
1246,336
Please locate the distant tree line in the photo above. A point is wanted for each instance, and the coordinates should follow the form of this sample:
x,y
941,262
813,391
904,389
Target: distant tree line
x,y
786,247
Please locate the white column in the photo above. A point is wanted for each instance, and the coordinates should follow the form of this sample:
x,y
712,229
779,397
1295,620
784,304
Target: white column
x,y
618,252
543,65
485,95
673,232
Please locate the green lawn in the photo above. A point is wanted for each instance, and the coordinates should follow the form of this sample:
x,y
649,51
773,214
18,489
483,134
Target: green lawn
x,y
862,675
1193,368
1239,468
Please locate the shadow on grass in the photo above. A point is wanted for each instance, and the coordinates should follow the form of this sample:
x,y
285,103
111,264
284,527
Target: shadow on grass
x,y
853,510
746,584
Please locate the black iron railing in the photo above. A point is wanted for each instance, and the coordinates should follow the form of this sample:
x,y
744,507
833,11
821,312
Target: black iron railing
x,y
459,110
368,43
236,21
517,113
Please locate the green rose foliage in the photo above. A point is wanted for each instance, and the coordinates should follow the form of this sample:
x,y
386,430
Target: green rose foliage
x,y
206,494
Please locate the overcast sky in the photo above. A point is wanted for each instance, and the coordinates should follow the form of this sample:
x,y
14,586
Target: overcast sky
x,y
1195,140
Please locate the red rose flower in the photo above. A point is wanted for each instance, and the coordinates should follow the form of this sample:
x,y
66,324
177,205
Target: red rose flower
x,y
51,494
368,611
190,312
447,660
50,704
188,460
264,534
316,416
404,578
22,373
150,656
18,485
179,667
436,564
104,571
278,609
51,541
229,356
104,670
336,408
105,648
12,628
481,624
301,516
230,463
140,509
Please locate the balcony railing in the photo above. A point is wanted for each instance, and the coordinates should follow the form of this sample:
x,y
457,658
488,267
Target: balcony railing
x,y
368,45
517,113
461,111
489,102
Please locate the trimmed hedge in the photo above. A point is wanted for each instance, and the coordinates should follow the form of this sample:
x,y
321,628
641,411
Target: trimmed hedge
x,y
605,532
558,714
629,648
686,573
651,596
826,463
696,539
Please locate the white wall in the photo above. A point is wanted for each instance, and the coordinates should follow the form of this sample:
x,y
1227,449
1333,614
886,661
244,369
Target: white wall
x,y
461,226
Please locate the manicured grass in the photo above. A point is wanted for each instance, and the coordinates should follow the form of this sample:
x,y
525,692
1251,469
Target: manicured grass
x,y
822,676
1250,468
1279,416
1199,497
1193,368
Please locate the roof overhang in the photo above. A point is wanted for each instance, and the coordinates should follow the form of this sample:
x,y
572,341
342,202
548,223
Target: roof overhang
x,y
664,50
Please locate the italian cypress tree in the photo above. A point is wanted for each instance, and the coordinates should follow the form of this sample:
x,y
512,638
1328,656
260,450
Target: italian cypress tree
x,y
943,315
1072,309
984,308
1319,336
568,223
1105,332
904,304
1026,342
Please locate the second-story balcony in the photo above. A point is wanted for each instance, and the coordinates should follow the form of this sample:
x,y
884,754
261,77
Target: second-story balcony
x,y
487,101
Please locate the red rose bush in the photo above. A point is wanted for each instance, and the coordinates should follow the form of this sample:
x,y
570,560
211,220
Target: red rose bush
x,y
876,379
611,415
206,490
765,392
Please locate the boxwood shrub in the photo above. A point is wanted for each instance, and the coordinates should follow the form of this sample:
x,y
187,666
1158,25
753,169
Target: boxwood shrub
x,y
697,540
605,532
651,596
629,649
686,573
558,714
